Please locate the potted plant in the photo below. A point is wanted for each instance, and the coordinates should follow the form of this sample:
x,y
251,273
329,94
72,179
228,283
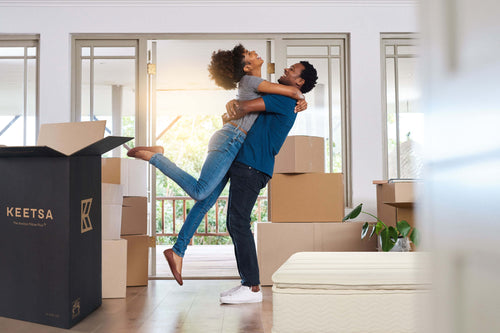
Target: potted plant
x,y
389,236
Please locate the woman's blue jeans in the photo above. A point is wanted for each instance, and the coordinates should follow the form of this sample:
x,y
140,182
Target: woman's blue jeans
x,y
222,150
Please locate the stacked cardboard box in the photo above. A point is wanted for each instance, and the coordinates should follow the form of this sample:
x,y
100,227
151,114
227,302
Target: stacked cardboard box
x,y
114,268
306,207
300,190
50,229
395,201
114,249
131,174
276,242
112,200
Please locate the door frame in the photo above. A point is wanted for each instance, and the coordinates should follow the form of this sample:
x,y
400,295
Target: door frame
x,y
145,121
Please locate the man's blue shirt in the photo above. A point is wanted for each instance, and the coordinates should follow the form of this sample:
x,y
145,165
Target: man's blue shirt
x,y
265,138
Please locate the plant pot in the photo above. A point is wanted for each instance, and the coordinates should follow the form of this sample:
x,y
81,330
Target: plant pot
x,y
402,245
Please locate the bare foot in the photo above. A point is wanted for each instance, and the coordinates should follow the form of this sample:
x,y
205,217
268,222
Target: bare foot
x,y
154,149
175,264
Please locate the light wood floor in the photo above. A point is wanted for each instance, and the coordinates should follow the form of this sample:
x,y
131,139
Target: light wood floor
x,y
201,262
166,307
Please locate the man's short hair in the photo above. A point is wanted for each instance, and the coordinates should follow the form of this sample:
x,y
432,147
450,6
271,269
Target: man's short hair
x,y
310,76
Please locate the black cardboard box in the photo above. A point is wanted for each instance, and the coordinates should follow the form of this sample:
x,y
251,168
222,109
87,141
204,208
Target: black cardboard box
x,y
50,227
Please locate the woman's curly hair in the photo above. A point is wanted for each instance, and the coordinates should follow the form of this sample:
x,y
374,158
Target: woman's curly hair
x,y
226,67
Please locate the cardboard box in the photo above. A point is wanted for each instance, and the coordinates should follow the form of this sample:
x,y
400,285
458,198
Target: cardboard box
x,y
114,268
301,154
404,211
112,194
112,200
134,216
132,174
111,221
50,224
137,260
399,192
276,242
308,197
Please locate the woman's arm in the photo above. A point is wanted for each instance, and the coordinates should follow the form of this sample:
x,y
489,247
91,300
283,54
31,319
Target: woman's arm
x,y
280,89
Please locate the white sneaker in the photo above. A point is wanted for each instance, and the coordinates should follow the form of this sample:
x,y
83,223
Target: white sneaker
x,y
244,294
230,291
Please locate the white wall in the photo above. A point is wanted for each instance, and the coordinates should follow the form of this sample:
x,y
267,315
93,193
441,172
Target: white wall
x,y
55,21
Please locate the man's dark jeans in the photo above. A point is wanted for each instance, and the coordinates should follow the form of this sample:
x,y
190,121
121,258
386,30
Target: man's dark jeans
x,y
246,183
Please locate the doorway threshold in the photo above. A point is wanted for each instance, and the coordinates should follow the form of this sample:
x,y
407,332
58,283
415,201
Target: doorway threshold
x,y
201,262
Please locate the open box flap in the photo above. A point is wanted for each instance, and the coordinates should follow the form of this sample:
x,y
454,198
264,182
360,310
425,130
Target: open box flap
x,y
400,204
29,151
69,138
102,146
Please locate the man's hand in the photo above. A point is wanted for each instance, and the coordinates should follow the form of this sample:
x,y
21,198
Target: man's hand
x,y
225,118
301,105
233,110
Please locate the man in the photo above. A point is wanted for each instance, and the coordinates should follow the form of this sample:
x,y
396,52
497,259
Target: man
x,y
252,169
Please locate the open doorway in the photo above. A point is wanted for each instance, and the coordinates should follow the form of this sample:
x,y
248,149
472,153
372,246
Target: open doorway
x,y
186,110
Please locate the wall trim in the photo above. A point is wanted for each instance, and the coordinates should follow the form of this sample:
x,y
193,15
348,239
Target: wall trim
x,y
205,3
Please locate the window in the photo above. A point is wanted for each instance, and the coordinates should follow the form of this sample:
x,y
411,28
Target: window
x,y
18,90
328,110
403,120
106,72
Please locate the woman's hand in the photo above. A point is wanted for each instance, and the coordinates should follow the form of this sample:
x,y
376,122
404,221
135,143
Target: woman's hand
x,y
301,105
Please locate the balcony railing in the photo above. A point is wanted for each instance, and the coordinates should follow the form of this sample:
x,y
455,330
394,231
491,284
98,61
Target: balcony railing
x,y
210,230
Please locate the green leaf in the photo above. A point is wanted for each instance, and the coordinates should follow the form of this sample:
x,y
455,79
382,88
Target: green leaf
x,y
364,230
379,227
393,234
387,242
403,228
354,213
373,231
415,237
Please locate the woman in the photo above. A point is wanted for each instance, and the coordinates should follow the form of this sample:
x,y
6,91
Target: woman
x,y
229,69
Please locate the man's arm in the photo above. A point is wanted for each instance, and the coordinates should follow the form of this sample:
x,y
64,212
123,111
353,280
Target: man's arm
x,y
238,109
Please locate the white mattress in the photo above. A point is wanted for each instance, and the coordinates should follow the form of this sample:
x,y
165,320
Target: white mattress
x,y
347,292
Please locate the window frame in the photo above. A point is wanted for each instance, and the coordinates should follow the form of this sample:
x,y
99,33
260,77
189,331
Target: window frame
x,y
78,45
392,39
26,40
341,40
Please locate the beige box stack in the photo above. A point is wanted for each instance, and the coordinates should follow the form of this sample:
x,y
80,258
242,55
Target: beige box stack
x,y
306,207
276,242
300,190
114,249
112,201
114,268
131,174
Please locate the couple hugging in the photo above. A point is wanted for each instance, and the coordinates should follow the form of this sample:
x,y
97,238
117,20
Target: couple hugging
x,y
242,151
